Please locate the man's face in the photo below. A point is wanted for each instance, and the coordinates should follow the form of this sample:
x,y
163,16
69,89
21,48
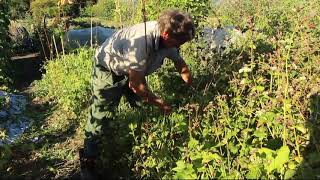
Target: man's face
x,y
169,42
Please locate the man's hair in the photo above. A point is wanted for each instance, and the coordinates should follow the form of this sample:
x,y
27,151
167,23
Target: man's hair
x,y
177,24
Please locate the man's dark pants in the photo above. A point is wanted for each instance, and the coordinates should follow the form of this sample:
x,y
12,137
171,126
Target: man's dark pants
x,y
107,90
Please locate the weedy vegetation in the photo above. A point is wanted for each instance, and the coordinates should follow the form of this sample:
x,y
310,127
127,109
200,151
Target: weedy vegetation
x,y
253,112
5,49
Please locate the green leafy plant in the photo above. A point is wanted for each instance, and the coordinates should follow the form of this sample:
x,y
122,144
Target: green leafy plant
x,y
103,9
67,80
247,118
42,8
19,8
5,48
253,110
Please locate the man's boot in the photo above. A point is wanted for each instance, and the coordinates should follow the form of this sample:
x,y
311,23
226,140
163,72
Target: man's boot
x,y
88,166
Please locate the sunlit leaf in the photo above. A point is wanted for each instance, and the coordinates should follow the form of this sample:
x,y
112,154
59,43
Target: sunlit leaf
x,y
193,143
208,156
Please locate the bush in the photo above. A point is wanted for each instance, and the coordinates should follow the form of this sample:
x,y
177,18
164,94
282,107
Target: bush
x,y
42,8
130,12
19,8
254,111
67,80
256,107
103,9
5,48
198,9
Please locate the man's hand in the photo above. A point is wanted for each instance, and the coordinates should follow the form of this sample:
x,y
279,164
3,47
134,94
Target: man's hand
x,y
165,108
187,76
138,85
184,71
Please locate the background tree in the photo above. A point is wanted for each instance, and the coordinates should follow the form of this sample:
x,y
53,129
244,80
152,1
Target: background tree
x,y
199,9
19,8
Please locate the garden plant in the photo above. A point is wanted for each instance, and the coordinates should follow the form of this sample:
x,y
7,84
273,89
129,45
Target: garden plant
x,y
253,111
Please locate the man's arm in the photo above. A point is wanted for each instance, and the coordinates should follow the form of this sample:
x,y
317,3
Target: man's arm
x,y
184,71
137,83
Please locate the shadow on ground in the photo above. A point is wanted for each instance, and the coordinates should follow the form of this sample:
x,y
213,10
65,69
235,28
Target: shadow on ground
x,y
310,167
29,157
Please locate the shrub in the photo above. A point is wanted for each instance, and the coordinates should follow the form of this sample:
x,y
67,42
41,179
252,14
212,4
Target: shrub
x,y
256,107
199,9
103,9
5,48
19,8
254,111
67,80
130,12
42,8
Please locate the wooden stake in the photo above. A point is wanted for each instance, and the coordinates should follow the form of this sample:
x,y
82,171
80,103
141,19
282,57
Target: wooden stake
x,y
61,38
55,45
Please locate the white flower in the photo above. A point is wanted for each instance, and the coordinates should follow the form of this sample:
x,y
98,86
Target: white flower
x,y
302,78
245,70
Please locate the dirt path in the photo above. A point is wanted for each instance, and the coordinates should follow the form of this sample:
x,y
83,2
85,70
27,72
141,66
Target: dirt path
x,y
31,156
37,154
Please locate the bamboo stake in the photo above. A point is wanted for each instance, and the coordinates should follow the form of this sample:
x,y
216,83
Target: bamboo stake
x,y
61,39
55,45
46,35
44,52
118,9
91,30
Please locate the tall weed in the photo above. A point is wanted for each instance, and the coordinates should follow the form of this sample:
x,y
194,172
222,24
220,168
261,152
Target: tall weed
x,y
254,111
5,48
67,80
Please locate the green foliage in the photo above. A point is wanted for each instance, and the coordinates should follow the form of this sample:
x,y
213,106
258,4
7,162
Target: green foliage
x,y
199,9
5,155
5,151
103,9
254,111
250,116
121,11
67,80
19,8
5,47
130,12
42,8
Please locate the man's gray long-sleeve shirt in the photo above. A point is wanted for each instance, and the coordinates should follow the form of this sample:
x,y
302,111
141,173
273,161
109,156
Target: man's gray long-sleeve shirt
x,y
126,49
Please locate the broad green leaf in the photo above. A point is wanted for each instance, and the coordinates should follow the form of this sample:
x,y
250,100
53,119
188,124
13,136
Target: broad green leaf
x,y
270,116
301,128
208,156
260,88
180,166
292,165
267,117
289,174
282,156
260,133
184,171
193,143
268,155
234,149
181,126
278,162
268,152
